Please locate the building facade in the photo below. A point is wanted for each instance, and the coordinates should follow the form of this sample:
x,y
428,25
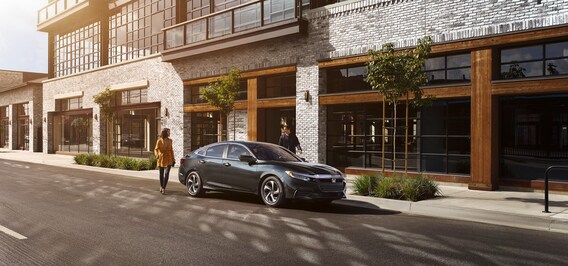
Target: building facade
x,y
497,69
20,110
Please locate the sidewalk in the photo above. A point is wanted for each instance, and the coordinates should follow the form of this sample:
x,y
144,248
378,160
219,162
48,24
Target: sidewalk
x,y
508,208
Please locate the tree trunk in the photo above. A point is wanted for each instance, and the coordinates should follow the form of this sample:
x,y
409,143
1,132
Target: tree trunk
x,y
394,140
234,124
383,139
220,129
406,139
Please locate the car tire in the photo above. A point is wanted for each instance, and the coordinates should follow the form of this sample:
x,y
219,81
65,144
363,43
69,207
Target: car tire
x,y
272,192
194,184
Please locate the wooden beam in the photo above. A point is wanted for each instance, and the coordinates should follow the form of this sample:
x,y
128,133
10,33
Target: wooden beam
x,y
276,103
484,134
552,85
205,107
252,109
448,92
372,96
247,74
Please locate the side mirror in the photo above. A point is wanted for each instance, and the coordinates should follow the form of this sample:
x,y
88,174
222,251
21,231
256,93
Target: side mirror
x,y
247,158
303,159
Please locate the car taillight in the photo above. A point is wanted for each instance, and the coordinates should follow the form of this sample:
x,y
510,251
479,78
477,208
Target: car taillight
x,y
181,161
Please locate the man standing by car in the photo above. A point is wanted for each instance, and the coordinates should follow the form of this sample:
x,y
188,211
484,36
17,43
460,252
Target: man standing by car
x,y
289,140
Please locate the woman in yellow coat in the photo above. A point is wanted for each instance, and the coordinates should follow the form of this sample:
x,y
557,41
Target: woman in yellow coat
x,y
165,153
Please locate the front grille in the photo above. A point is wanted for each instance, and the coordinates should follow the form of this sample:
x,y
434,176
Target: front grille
x,y
330,180
331,187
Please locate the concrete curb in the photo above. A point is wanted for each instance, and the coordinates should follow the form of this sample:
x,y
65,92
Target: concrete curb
x,y
464,214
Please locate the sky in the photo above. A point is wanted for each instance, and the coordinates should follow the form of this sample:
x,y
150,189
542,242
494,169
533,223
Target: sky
x,y
22,47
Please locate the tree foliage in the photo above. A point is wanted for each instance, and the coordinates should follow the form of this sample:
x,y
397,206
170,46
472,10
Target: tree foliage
x,y
104,100
223,92
395,74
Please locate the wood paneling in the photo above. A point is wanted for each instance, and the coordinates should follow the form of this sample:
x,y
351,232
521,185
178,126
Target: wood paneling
x,y
276,103
244,75
556,85
252,115
449,92
204,107
363,97
484,159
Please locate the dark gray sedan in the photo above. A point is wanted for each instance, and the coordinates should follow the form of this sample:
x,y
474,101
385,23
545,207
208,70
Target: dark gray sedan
x,y
264,169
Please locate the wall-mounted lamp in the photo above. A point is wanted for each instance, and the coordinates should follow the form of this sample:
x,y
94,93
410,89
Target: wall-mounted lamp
x,y
167,114
44,120
96,117
307,96
31,122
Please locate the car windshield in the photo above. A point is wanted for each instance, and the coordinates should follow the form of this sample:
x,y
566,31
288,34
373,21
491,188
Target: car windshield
x,y
272,153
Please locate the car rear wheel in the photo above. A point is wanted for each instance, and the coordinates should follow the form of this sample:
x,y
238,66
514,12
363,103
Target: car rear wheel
x,y
272,192
194,185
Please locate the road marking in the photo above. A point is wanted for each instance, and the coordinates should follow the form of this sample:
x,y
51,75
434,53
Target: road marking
x,y
12,233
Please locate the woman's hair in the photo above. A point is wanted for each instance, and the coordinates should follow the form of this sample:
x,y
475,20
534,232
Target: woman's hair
x,y
165,133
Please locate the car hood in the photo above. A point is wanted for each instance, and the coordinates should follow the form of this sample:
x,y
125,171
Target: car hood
x,y
307,168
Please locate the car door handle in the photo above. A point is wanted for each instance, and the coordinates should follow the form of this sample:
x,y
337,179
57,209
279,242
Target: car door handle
x,y
227,164
202,161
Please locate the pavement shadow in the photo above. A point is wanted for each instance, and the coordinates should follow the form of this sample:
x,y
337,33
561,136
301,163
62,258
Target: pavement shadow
x,y
352,207
562,204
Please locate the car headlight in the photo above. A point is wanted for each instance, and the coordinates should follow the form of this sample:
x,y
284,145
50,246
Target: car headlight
x,y
303,177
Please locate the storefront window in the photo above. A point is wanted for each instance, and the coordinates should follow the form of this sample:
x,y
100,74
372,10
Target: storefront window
x,y
193,94
136,131
22,126
205,129
73,132
534,136
277,86
438,137
4,127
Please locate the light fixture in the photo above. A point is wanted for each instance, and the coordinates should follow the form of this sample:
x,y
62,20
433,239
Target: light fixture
x,y
31,122
96,117
44,119
167,113
307,96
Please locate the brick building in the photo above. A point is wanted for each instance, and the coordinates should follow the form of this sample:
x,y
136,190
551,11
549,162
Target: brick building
x,y
498,71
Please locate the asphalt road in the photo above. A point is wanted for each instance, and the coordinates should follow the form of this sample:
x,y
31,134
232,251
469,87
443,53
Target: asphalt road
x,y
75,217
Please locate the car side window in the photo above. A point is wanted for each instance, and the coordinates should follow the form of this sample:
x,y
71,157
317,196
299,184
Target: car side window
x,y
235,151
216,151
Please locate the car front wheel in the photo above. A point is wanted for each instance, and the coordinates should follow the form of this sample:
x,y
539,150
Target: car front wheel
x,y
194,184
272,192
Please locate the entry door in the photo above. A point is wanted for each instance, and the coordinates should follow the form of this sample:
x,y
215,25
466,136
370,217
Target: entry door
x,y
273,121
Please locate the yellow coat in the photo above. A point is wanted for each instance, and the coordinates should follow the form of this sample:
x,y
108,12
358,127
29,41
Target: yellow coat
x,y
164,152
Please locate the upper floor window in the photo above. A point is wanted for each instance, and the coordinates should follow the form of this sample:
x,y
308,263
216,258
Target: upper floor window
x,y
77,51
132,96
136,29
534,61
197,8
69,104
346,79
277,86
193,94
448,69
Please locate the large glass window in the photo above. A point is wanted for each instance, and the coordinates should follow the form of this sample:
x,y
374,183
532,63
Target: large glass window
x,y
136,28
534,136
205,129
4,127
448,69
78,50
73,132
438,137
136,132
193,95
534,61
197,8
134,96
347,79
277,86
22,126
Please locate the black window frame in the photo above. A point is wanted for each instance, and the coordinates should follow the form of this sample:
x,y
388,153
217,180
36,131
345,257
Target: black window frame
x,y
446,69
343,84
516,63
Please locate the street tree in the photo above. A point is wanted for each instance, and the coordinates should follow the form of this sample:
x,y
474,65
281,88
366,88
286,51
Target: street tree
x,y
105,101
222,94
398,74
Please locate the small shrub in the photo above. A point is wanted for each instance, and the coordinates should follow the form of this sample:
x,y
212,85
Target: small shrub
x,y
419,188
365,184
389,187
81,159
143,165
104,161
126,163
153,162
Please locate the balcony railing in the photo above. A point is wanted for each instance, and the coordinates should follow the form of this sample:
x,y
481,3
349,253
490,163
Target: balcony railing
x,y
55,8
250,15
